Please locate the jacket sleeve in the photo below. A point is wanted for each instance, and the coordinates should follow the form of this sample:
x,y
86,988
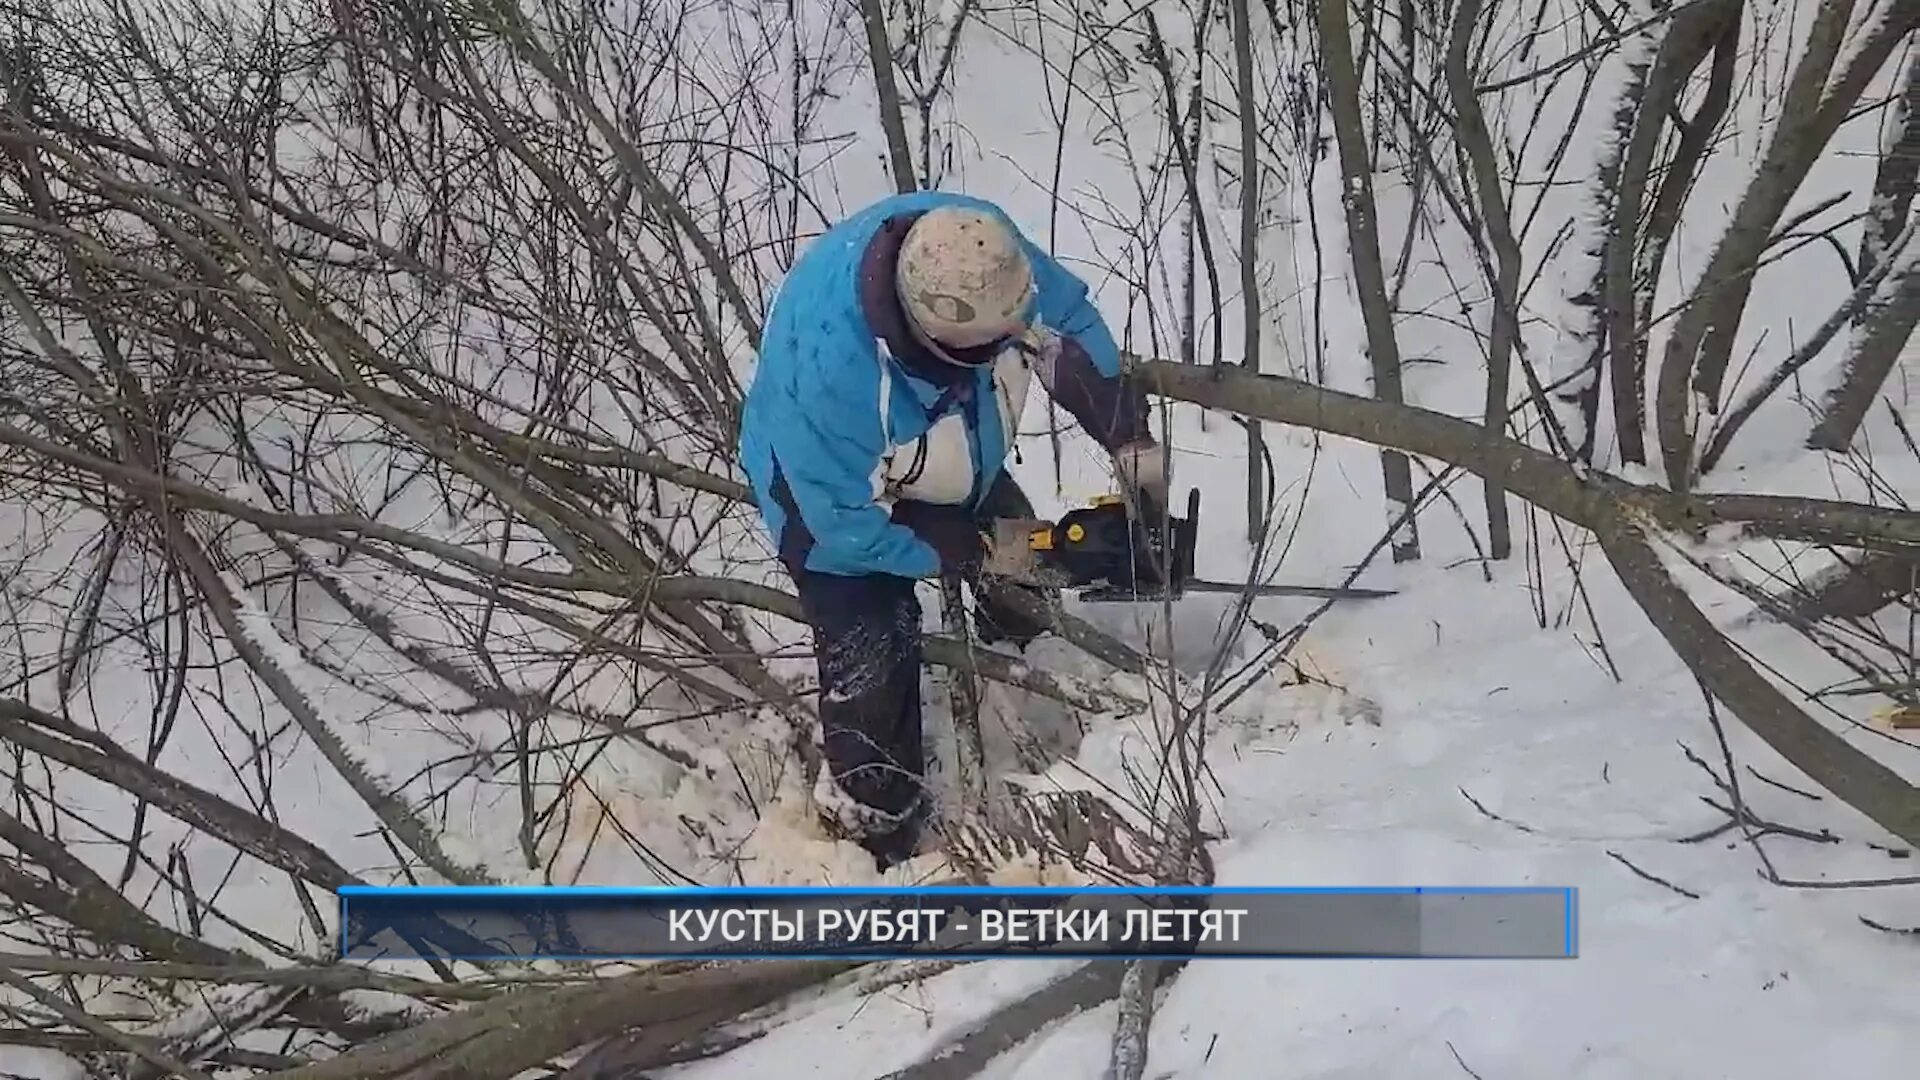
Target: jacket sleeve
x,y
831,463
1085,376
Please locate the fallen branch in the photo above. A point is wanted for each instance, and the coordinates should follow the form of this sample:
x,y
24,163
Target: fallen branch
x,y
1127,1056
522,1030
1852,883
967,1055
356,531
1491,816
1622,515
1460,1061
1540,478
1622,860
1908,931
259,648
145,1049
76,1043
1816,750
34,730
747,1027
330,978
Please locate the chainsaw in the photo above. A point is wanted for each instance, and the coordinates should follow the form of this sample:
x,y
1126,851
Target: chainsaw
x,y
1113,554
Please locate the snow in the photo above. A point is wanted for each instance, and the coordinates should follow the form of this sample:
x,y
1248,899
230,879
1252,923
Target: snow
x,y
1441,736
1470,703
1421,705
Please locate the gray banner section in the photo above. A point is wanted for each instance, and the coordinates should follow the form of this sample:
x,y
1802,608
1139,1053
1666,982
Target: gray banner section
x,y
1522,925
1494,925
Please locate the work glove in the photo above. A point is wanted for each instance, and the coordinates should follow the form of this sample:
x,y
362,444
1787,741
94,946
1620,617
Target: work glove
x,y
1142,468
950,531
1042,348
1010,553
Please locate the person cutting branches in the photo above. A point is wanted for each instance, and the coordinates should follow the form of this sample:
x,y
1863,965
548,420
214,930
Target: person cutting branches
x,y
893,370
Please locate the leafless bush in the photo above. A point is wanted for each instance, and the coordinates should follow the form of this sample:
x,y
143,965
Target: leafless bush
x,y
369,377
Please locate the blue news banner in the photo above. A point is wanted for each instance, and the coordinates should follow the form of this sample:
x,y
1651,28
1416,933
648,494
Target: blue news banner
x,y
520,923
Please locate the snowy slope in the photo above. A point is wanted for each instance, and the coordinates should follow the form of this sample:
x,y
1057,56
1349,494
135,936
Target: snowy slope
x,y
1415,708
1451,696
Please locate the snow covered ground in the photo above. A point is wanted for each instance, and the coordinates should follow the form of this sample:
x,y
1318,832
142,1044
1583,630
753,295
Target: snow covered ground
x,y
1451,697
1438,737
1465,745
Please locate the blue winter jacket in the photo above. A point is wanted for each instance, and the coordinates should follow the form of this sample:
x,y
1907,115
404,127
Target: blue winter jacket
x,y
814,438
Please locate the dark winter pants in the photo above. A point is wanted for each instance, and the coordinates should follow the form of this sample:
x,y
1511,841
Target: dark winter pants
x,y
866,633
867,639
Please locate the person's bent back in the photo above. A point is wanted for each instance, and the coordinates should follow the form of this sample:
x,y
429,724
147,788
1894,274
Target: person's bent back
x,y
893,371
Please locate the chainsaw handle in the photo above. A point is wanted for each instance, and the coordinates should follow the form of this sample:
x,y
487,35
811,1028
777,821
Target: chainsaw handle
x,y
1122,546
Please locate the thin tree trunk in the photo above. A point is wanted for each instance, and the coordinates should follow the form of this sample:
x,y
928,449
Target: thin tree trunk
x,y
1630,283
1896,179
964,695
1477,143
1186,134
1696,141
1881,342
1696,357
1884,332
1250,304
1363,237
1888,298
880,58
